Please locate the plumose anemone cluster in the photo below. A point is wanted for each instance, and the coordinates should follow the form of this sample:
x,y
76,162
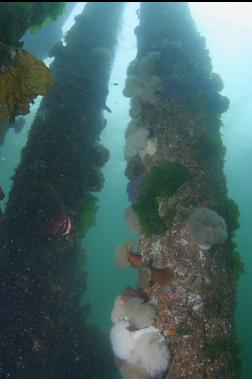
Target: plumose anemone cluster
x,y
135,341
143,88
207,228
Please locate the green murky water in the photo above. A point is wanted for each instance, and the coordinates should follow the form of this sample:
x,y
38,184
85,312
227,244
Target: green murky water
x,y
227,29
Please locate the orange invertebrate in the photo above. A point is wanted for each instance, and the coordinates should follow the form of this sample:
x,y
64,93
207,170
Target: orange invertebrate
x,y
171,330
162,277
135,260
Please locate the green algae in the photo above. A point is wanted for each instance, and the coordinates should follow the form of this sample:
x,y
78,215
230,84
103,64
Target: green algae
x,y
161,182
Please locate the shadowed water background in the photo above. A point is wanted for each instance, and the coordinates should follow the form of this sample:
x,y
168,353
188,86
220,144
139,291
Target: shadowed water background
x,y
227,29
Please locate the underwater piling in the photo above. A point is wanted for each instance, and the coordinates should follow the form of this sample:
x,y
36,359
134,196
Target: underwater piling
x,y
44,330
186,221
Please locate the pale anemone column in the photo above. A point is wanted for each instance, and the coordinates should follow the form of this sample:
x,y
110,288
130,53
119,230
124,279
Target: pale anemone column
x,y
180,207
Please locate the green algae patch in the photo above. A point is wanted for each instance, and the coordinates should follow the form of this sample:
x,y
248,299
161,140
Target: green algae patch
x,y
210,147
183,330
215,349
231,213
87,215
161,182
18,17
235,259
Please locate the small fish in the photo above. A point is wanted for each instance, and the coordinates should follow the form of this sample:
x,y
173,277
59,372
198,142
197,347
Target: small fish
x,y
115,84
106,108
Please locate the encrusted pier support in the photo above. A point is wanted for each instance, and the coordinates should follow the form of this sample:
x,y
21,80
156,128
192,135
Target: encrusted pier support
x,y
180,207
44,333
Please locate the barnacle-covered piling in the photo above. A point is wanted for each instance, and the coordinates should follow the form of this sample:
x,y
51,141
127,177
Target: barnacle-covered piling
x,y
44,333
175,159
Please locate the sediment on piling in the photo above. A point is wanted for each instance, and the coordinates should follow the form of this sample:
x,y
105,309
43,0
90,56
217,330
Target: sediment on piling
x,y
44,329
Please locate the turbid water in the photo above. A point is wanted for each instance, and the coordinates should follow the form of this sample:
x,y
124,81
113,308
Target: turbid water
x,y
106,281
227,29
